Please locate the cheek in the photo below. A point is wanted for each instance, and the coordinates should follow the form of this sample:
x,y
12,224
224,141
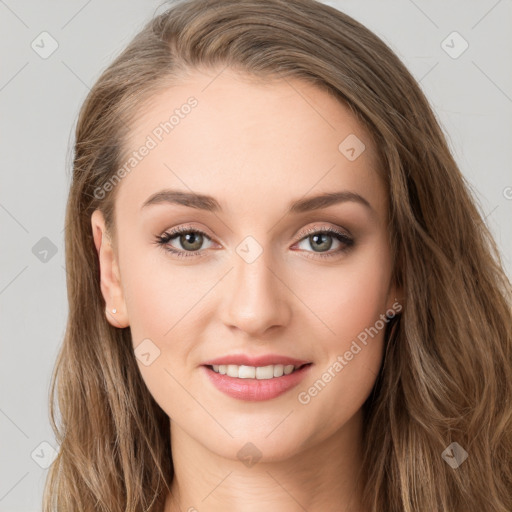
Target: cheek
x,y
352,296
350,359
157,301
163,305
158,296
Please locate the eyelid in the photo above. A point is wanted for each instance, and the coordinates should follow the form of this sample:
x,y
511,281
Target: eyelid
x,y
187,228
316,229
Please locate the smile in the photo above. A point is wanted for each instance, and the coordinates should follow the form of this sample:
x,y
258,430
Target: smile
x,y
255,383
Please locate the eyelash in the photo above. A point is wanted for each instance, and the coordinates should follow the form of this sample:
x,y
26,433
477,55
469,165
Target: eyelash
x,y
163,239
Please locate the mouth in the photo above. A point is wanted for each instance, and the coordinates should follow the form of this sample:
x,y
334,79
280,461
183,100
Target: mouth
x,y
272,371
255,383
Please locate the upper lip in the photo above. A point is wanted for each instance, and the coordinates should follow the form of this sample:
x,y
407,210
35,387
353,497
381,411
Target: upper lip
x,y
263,360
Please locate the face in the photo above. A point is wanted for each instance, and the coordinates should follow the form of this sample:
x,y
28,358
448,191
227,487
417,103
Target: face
x,y
250,274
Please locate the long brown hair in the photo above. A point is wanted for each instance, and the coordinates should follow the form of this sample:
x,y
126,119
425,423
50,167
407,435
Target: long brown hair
x,y
447,370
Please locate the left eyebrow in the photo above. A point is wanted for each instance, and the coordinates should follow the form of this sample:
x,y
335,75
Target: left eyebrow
x,y
327,199
209,203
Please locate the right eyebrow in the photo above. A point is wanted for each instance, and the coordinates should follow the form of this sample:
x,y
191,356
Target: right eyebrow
x,y
192,200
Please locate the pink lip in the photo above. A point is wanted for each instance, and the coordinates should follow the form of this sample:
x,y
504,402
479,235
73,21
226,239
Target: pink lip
x,y
256,389
265,360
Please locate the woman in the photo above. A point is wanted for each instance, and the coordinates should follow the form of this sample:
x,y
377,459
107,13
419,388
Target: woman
x,y
281,292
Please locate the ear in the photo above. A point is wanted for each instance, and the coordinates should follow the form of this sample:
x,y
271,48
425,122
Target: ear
x,y
110,279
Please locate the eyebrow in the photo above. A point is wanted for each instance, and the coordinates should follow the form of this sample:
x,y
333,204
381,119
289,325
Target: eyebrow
x,y
209,203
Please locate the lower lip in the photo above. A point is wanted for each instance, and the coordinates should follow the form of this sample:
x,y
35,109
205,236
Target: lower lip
x,y
256,389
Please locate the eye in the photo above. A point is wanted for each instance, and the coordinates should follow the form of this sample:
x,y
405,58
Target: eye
x,y
322,239
189,239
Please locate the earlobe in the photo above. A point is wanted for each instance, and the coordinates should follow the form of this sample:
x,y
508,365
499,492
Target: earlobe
x,y
110,279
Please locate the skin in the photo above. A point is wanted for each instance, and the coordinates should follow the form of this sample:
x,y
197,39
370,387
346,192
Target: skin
x,y
254,147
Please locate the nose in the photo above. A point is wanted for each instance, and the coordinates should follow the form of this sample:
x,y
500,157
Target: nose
x,y
256,299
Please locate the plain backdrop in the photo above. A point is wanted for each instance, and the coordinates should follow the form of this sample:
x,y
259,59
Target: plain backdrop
x,y
466,76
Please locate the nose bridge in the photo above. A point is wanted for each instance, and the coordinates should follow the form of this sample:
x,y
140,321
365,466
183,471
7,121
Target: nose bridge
x,y
255,300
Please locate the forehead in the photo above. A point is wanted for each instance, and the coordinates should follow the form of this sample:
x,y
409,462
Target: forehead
x,y
250,141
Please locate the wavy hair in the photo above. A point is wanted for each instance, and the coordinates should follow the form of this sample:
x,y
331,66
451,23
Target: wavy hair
x,y
446,374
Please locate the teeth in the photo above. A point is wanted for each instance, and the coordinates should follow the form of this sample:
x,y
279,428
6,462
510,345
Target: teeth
x,y
254,372
265,372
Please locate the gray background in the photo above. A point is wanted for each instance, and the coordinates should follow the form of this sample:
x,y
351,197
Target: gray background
x,y
39,101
